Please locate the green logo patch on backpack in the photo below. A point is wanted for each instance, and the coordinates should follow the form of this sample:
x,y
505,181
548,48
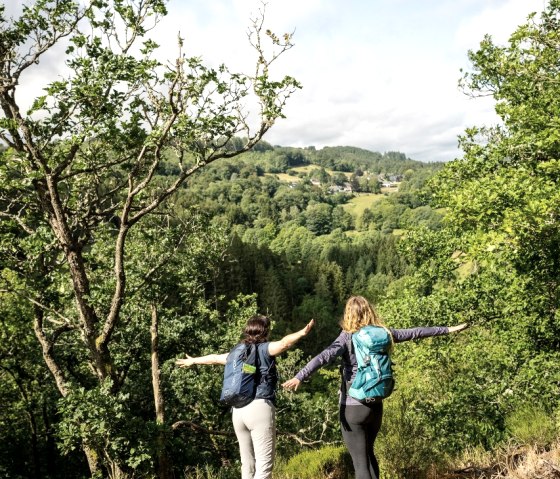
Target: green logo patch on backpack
x,y
249,368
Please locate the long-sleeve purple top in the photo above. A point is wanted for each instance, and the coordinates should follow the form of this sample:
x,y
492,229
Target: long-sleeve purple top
x,y
341,346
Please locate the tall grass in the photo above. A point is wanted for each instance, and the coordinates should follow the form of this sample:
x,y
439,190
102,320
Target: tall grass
x,y
532,426
210,472
510,461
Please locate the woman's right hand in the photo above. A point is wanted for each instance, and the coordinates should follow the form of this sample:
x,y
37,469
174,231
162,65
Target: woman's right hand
x,y
308,327
292,384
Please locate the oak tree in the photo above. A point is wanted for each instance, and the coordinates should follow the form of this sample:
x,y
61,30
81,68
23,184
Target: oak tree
x,y
81,189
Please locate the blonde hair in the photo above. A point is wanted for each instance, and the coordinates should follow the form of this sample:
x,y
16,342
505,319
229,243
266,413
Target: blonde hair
x,y
359,313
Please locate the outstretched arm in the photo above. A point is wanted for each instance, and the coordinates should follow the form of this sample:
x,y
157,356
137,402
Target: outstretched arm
x,y
209,359
401,335
337,348
278,347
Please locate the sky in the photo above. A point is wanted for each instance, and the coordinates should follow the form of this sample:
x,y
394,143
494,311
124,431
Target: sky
x,y
376,74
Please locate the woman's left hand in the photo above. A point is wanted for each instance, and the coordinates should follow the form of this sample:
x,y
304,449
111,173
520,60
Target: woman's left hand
x,y
187,362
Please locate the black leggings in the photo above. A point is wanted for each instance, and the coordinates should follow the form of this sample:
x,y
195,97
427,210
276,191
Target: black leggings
x,y
360,425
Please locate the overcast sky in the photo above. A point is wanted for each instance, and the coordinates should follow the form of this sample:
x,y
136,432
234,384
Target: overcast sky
x,y
377,74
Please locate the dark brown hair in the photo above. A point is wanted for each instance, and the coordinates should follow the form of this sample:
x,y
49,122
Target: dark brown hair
x,y
256,330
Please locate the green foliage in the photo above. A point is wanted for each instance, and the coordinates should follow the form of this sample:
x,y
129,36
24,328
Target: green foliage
x,y
532,425
318,404
29,397
493,262
502,197
212,248
103,421
328,461
318,218
403,447
93,238
346,158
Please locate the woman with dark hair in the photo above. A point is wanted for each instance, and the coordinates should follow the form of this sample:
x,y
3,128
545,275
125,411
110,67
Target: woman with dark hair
x,y
359,422
254,424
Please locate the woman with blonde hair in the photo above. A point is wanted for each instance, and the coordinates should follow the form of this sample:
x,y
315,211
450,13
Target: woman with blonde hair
x,y
360,422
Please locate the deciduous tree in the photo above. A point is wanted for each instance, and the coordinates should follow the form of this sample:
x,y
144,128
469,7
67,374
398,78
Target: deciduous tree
x,y
81,175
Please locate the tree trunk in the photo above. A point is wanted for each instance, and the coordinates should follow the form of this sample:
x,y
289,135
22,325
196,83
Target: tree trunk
x,y
64,387
164,468
50,442
94,461
34,445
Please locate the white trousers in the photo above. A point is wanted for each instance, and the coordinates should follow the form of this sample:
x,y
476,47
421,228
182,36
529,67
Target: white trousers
x,y
255,429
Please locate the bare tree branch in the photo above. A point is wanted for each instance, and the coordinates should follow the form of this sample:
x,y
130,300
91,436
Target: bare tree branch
x,y
198,428
65,320
47,347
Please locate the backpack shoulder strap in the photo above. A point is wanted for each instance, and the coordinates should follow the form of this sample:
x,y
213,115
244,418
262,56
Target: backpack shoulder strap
x,y
344,385
349,343
360,350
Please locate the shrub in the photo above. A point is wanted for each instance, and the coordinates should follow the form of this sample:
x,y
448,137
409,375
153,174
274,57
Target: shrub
x,y
532,425
330,462
404,447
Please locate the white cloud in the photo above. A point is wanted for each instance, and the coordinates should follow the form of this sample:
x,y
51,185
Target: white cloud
x,y
497,19
397,91
376,74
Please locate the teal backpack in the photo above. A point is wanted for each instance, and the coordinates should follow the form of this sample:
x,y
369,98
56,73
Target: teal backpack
x,y
374,378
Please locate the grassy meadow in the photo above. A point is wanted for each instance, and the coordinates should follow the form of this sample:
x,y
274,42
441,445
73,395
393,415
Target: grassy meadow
x,y
357,205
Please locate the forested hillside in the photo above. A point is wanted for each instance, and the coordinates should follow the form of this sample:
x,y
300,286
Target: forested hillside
x,y
301,236
143,218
